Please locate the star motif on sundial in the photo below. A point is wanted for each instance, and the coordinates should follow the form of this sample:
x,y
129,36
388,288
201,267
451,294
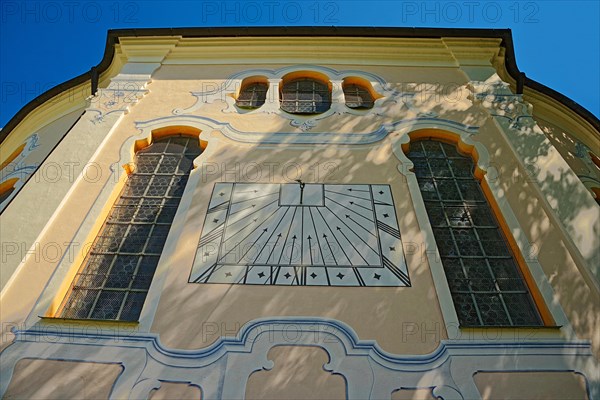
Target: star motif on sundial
x,y
381,192
386,215
261,274
313,275
377,276
216,220
227,273
340,275
221,194
287,275
392,248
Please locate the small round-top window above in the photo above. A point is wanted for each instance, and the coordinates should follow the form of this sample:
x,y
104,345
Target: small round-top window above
x,y
305,96
358,97
252,95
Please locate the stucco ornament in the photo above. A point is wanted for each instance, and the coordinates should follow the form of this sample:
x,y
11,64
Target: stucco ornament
x,y
118,97
227,91
20,168
222,369
591,179
495,96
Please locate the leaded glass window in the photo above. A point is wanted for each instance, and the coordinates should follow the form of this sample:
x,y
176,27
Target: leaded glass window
x,y
305,96
486,284
252,95
120,265
357,97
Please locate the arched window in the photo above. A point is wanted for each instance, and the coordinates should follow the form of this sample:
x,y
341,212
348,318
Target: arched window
x,y
252,95
305,96
118,269
357,97
485,281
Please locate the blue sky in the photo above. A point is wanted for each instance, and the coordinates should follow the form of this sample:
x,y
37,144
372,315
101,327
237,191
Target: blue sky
x,y
44,43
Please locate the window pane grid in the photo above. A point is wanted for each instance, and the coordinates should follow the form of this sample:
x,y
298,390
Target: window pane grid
x,y
486,287
121,263
253,95
305,97
357,97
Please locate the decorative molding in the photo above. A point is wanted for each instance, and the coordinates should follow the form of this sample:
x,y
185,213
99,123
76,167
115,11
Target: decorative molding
x,y
291,138
118,97
19,169
545,166
405,167
130,85
432,253
226,92
591,180
146,362
18,166
497,98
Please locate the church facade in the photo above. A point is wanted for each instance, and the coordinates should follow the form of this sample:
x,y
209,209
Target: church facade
x,y
362,213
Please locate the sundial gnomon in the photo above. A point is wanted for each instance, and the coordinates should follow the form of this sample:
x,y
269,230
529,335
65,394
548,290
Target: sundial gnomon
x,y
301,234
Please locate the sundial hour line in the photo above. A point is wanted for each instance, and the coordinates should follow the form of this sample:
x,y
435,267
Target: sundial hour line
x,y
361,281
354,211
253,212
335,237
274,246
356,222
257,197
352,230
352,244
243,209
388,229
317,235
219,207
247,216
349,195
270,236
325,237
358,205
254,230
330,250
215,233
292,250
357,190
253,243
309,238
287,235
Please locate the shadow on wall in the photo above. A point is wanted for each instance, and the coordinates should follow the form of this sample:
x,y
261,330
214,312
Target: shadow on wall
x,y
54,379
295,366
298,373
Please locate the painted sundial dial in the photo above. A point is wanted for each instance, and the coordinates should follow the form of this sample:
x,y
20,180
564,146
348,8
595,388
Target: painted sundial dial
x,y
301,234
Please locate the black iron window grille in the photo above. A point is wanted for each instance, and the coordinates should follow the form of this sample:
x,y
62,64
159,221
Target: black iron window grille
x,y
119,268
252,96
485,281
358,97
305,96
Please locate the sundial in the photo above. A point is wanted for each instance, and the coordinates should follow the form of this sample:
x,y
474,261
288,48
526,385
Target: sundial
x,y
300,233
